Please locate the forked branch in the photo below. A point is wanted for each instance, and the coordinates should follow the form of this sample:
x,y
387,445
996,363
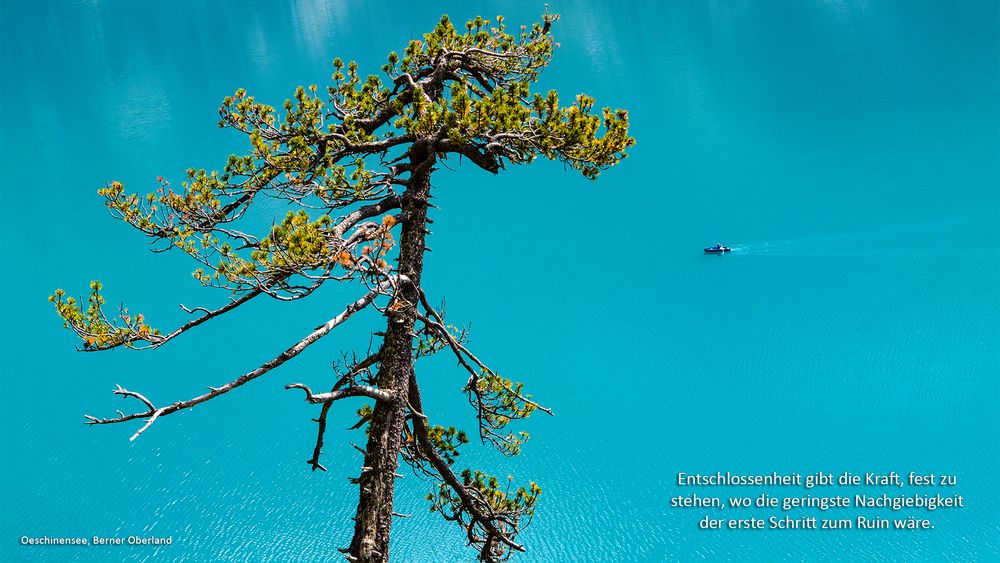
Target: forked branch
x,y
347,378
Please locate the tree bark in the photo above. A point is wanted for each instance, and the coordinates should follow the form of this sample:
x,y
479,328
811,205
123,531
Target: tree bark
x,y
373,521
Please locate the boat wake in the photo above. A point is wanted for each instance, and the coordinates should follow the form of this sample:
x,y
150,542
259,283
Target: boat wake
x,y
883,241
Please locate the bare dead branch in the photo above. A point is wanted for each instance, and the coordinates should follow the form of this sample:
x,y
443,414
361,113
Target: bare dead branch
x,y
125,393
354,391
288,354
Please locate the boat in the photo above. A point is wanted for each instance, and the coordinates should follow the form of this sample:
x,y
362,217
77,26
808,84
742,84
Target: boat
x,y
717,249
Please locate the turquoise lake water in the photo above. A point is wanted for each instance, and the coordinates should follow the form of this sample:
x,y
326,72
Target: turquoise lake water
x,y
848,151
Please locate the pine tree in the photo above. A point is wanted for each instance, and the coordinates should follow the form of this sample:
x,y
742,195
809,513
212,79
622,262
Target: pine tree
x,y
357,164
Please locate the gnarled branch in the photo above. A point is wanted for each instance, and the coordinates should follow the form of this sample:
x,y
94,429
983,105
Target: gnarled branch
x,y
479,511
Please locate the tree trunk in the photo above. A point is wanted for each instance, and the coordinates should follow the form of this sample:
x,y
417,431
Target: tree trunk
x,y
377,482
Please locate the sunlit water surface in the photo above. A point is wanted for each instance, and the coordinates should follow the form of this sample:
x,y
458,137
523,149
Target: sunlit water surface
x,y
848,151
